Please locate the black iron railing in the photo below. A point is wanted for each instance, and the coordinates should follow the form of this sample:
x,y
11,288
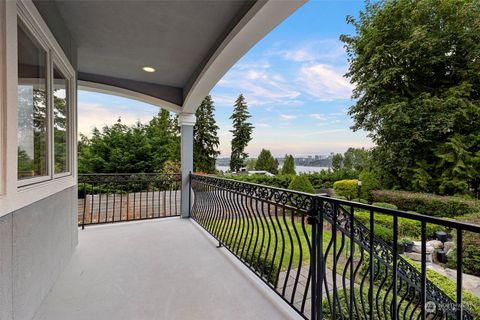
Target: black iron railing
x,y
314,252
108,198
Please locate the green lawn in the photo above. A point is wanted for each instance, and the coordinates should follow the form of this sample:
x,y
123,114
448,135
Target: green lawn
x,y
259,242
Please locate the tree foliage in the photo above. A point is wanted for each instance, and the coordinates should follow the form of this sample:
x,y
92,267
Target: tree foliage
x,y
354,159
288,165
416,70
267,162
205,137
139,148
242,133
301,183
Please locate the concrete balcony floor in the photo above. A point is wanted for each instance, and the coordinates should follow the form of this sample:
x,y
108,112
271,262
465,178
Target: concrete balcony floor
x,y
157,269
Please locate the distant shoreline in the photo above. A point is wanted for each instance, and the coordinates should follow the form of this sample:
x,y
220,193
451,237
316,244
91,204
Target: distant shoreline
x,y
298,169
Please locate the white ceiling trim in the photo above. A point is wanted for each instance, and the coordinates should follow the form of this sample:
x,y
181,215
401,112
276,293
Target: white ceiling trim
x,y
125,93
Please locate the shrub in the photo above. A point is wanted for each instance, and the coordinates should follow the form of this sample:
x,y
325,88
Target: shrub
x,y
385,205
346,188
279,181
301,183
426,203
448,286
360,200
326,178
471,248
406,227
370,181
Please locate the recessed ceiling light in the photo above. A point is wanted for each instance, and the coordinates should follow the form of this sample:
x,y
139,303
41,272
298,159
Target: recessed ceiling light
x,y
148,69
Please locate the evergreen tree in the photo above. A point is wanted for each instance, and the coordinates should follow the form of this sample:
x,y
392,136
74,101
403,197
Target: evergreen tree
x,y
205,138
139,148
242,133
163,139
289,165
266,162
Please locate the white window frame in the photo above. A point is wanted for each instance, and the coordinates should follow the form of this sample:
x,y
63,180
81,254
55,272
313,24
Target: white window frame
x,y
30,28
15,193
67,72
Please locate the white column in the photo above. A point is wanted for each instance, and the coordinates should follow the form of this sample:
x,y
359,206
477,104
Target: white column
x,y
187,121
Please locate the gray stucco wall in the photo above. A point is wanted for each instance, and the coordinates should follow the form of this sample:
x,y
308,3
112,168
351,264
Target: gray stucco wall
x,y
36,242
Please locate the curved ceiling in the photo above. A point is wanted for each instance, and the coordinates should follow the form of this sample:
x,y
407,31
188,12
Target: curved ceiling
x,y
185,41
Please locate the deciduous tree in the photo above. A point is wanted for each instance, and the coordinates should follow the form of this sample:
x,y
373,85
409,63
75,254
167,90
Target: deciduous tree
x,y
416,70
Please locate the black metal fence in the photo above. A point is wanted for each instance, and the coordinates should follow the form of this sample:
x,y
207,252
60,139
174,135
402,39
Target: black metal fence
x,y
319,257
108,198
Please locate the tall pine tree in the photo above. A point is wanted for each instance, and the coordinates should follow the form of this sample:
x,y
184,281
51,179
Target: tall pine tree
x,y
205,138
242,133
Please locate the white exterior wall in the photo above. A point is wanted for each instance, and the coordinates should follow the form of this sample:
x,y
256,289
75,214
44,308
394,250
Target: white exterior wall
x,y
38,223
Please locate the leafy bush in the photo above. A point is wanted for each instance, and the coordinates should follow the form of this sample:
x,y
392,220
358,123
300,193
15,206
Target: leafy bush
x,y
279,181
370,181
301,183
471,248
385,205
383,233
326,178
449,287
406,227
319,180
360,200
426,203
346,188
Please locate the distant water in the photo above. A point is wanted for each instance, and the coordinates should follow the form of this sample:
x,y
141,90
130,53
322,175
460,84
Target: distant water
x,y
299,169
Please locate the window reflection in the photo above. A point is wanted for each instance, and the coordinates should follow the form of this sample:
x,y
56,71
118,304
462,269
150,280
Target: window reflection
x,y
32,107
60,121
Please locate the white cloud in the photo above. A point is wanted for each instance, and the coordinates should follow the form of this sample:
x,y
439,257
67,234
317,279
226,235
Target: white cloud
x,y
287,116
262,125
330,50
259,85
91,115
317,116
323,82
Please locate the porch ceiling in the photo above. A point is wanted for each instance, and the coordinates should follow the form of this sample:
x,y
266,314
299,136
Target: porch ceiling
x,y
180,39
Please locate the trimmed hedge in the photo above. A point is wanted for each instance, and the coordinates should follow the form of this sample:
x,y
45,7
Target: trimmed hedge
x,y
326,178
449,287
427,203
385,205
279,181
406,227
471,248
346,188
319,180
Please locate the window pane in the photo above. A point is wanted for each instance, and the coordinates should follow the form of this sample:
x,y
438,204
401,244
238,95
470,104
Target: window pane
x,y
60,121
32,107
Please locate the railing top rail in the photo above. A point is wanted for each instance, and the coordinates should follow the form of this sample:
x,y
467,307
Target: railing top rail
x,y
392,212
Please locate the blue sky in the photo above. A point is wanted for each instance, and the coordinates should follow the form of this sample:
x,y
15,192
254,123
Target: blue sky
x,y
292,81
